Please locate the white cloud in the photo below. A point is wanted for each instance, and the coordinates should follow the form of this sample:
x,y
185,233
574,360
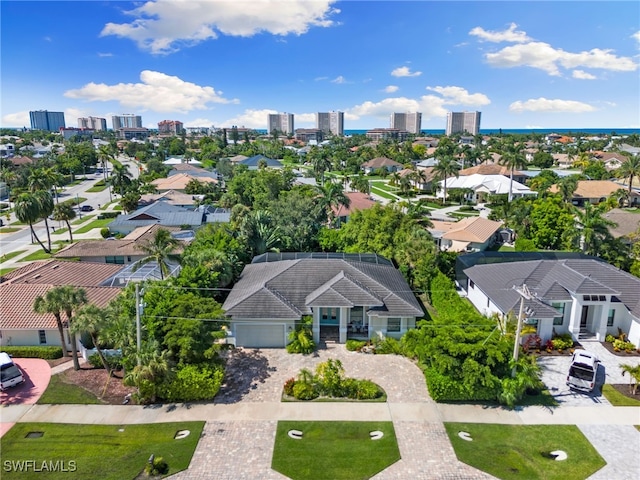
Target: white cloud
x,y
405,72
339,80
319,79
304,118
199,122
163,26
582,75
391,88
107,54
544,57
636,36
508,35
17,119
460,96
250,119
156,91
550,106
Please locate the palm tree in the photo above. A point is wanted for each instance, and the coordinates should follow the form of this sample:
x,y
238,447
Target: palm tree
x,y
360,183
52,303
566,188
64,212
593,228
28,210
321,164
630,168
105,155
92,320
120,177
70,299
332,196
634,374
261,234
153,368
513,157
160,249
445,168
45,200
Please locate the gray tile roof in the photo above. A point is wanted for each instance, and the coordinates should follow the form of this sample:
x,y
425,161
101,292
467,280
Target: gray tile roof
x,y
287,289
553,280
162,213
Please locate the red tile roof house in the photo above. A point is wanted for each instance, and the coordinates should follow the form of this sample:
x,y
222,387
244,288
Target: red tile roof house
x,y
20,325
358,201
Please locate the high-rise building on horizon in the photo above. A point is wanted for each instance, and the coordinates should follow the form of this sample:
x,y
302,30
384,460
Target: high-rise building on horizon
x,y
171,127
281,122
126,120
94,123
409,122
463,122
46,120
330,122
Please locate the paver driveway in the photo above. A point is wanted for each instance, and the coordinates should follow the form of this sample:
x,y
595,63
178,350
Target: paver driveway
x,y
243,449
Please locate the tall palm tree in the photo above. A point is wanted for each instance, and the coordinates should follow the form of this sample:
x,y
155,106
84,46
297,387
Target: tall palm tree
x,y
154,367
92,320
120,177
160,249
630,168
52,302
45,200
567,187
360,183
64,212
332,196
72,298
445,168
105,155
28,210
512,157
593,228
321,163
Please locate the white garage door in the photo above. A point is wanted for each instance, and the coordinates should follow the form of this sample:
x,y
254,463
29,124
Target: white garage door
x,y
263,336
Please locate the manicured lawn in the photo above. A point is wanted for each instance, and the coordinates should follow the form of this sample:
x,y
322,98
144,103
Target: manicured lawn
x,y
334,450
384,186
59,392
96,189
95,224
38,255
82,220
4,271
10,255
383,194
617,399
107,452
505,248
521,451
9,229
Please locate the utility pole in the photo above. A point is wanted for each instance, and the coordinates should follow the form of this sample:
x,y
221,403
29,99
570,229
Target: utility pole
x,y
525,294
138,327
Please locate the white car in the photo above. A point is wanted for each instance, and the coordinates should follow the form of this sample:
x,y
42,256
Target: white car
x,y
583,371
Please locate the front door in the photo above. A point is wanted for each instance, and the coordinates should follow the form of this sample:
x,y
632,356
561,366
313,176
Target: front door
x,y
583,318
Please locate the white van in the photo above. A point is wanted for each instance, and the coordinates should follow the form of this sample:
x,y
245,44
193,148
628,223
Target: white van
x,y
10,374
583,370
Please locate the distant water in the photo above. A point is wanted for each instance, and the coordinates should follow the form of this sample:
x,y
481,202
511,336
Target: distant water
x,y
524,131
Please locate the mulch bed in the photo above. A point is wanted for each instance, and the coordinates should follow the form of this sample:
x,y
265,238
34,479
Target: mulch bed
x,y
95,381
58,361
625,389
609,347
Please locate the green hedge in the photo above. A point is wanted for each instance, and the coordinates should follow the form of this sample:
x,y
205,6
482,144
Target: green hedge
x,y
104,215
46,353
445,389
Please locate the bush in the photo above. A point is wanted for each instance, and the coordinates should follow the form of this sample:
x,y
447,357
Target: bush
x,y
192,383
355,345
562,342
609,338
104,215
466,208
157,467
288,386
622,345
330,375
532,342
105,232
445,389
114,360
525,245
46,353
366,390
304,391
388,345
4,206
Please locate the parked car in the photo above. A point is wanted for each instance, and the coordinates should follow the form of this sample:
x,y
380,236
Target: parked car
x,y
583,370
10,374
86,208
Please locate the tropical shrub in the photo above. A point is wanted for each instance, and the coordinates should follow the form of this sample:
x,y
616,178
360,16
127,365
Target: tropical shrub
x,y
158,467
44,352
304,391
329,377
192,383
365,390
532,342
355,345
114,361
288,386
622,345
105,232
301,339
387,345
562,342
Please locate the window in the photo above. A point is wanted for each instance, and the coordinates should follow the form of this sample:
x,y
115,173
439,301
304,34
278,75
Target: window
x,y
118,260
393,324
471,284
531,321
43,337
559,306
558,320
611,317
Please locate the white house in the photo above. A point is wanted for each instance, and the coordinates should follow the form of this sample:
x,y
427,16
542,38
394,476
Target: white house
x,y
584,297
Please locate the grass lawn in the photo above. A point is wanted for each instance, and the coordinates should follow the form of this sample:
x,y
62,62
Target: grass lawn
x,y
384,186
4,271
505,248
95,224
617,399
84,219
59,393
96,189
38,255
98,451
10,255
383,193
520,451
352,453
9,229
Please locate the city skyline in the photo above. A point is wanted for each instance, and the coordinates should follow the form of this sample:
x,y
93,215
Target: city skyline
x,y
220,64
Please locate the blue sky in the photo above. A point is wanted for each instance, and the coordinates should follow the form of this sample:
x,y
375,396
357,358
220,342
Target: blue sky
x,y
522,64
